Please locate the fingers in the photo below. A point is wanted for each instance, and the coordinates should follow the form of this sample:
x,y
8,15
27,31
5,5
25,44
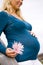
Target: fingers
x,y
12,55
32,33
10,52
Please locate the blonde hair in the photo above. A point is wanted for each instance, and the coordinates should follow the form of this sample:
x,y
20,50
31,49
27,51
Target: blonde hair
x,y
7,7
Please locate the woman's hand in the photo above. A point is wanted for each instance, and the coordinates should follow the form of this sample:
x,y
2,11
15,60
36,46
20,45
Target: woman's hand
x,y
32,33
10,52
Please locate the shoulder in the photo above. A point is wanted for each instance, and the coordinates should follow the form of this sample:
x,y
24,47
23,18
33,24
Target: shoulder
x,y
4,17
3,13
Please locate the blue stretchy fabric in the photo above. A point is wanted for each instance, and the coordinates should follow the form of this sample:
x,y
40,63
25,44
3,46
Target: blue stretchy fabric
x,y
18,30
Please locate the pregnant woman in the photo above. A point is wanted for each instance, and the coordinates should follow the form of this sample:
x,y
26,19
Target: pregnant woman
x,y
18,30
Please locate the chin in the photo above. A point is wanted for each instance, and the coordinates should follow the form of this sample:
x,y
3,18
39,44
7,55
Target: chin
x,y
18,8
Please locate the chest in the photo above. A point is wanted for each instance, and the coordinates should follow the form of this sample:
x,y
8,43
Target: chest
x,y
15,24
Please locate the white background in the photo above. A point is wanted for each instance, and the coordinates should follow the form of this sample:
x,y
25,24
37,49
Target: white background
x,y
32,11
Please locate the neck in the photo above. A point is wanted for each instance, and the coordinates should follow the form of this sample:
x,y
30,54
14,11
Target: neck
x,y
12,10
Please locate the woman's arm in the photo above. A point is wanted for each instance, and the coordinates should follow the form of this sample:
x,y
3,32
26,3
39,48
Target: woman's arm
x,y
3,22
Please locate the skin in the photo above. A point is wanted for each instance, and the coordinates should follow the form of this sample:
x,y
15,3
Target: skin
x,y
15,5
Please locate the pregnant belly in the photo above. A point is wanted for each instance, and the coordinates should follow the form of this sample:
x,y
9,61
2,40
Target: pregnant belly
x,y
29,41
31,45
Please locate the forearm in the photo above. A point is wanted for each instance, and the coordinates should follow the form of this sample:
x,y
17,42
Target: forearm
x,y
2,47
